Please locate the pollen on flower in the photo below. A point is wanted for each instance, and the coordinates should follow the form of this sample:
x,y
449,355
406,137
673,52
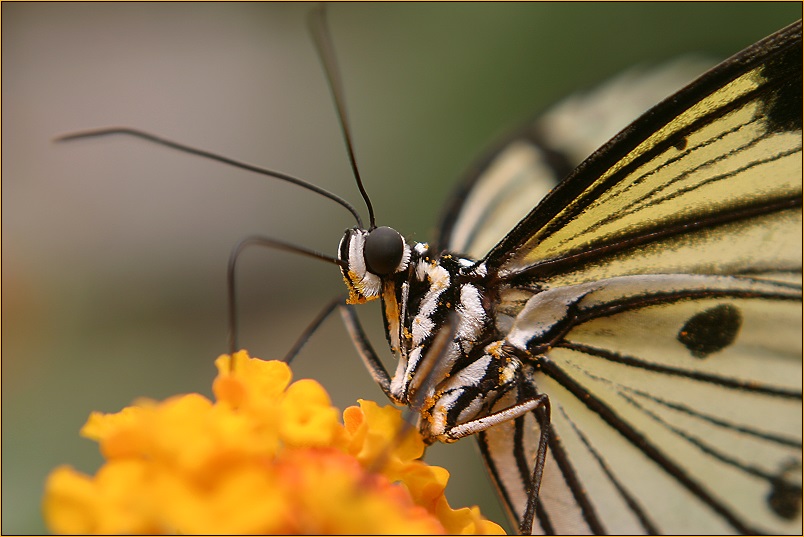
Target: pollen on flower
x,y
267,456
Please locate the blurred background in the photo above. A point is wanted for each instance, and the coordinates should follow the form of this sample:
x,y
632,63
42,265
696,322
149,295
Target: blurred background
x,y
115,251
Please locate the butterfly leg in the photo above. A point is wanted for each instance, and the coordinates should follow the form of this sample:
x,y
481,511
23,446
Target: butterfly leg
x,y
539,402
361,342
370,359
539,405
313,326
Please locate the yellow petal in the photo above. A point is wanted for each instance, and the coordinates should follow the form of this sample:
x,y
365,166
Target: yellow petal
x,y
70,504
258,380
309,418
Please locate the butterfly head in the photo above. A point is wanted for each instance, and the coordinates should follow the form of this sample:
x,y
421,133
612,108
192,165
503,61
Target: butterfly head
x,y
368,257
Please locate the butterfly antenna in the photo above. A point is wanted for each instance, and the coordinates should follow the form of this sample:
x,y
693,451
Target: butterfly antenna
x,y
266,242
212,156
326,52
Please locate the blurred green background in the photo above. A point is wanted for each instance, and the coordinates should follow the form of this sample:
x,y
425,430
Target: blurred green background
x,y
114,251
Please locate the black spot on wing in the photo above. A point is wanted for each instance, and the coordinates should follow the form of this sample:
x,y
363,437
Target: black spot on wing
x,y
784,498
711,330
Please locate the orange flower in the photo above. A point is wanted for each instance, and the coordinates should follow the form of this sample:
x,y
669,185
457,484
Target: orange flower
x,y
269,456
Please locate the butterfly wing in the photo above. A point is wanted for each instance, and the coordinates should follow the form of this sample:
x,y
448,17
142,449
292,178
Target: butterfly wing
x,y
504,186
673,259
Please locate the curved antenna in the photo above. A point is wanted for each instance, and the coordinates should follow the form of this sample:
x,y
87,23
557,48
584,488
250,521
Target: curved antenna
x,y
323,44
212,156
268,242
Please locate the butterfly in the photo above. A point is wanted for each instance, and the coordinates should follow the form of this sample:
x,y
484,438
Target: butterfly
x,y
622,337
624,341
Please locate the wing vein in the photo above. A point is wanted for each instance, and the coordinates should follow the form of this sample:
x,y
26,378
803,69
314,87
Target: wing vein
x,y
643,444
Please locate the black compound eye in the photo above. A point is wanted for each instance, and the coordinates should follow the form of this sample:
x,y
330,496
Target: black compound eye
x,y
383,250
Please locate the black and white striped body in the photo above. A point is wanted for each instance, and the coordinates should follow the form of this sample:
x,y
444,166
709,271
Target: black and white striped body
x,y
461,383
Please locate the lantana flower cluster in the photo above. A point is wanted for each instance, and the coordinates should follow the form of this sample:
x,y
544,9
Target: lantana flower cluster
x,y
267,456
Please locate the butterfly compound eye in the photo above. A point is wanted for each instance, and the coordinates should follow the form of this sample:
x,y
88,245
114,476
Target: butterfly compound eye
x,y
383,250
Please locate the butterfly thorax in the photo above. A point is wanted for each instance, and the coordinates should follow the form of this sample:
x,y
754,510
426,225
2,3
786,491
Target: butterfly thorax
x,y
426,293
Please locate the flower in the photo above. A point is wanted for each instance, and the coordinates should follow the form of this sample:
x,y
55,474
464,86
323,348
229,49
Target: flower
x,y
268,456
